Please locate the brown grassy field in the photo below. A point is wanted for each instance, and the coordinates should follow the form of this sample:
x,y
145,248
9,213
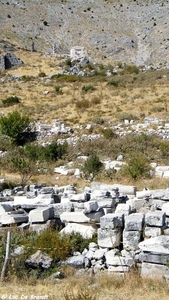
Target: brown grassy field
x,y
142,95
85,287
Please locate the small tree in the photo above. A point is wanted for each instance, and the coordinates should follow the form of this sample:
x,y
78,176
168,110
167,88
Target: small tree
x,y
24,167
137,166
16,126
92,166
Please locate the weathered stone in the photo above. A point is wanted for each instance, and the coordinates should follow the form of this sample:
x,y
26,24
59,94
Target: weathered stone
x,y
75,217
131,239
154,271
161,259
39,259
155,218
59,208
119,261
5,207
134,222
116,269
13,217
76,261
85,230
109,238
40,214
99,254
95,216
159,244
90,206
123,208
165,208
150,232
111,221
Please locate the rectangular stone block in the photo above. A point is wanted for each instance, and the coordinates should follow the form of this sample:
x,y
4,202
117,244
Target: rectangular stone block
x,y
59,208
131,239
118,260
155,218
123,208
109,238
134,222
161,259
117,269
150,232
154,271
111,221
40,214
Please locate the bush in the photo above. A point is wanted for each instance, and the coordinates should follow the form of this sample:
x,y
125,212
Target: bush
x,y
42,74
58,90
10,101
113,82
16,126
132,69
137,166
92,166
88,88
108,133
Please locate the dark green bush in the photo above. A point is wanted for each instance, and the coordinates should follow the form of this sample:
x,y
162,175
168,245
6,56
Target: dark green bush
x,y
42,74
58,90
132,69
108,133
92,166
137,166
88,88
11,101
113,82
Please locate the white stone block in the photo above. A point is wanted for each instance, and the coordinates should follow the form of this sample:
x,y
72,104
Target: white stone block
x,y
90,206
121,269
131,240
150,232
110,238
155,218
154,271
134,222
40,214
5,207
159,244
123,208
118,260
165,208
111,221
74,217
87,231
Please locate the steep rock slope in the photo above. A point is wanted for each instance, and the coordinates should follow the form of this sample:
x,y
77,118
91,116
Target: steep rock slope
x,y
129,31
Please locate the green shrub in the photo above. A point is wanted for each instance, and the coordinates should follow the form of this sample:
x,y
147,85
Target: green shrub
x,y
16,126
92,166
68,62
113,82
132,69
10,101
137,166
58,90
108,133
42,74
88,88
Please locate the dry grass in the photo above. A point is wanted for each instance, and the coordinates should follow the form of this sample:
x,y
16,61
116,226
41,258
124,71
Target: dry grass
x,y
138,96
98,287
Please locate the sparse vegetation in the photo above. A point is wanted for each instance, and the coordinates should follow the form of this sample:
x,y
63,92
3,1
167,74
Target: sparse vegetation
x,y
10,101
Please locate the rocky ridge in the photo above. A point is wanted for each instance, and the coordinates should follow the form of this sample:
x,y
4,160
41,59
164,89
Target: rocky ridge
x,y
126,31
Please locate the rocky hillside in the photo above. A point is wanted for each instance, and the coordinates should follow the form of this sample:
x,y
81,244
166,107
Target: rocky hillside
x,y
129,31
